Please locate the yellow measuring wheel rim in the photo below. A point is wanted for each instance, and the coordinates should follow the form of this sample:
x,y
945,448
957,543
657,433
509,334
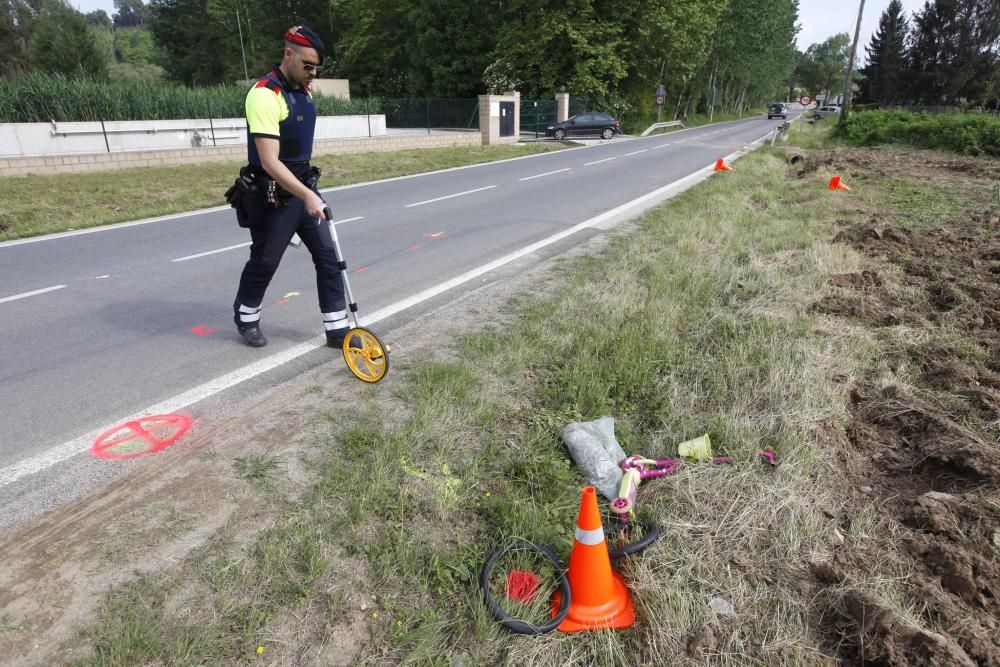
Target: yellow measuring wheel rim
x,y
370,362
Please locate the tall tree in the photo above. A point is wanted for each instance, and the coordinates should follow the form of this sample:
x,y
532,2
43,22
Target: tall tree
x,y
188,41
129,13
825,63
62,42
669,42
954,51
577,43
884,78
753,52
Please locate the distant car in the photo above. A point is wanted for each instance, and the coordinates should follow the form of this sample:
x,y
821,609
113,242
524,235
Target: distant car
x,y
589,124
822,112
777,109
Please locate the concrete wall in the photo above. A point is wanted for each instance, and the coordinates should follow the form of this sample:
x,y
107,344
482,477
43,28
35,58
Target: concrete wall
x,y
339,88
90,162
24,139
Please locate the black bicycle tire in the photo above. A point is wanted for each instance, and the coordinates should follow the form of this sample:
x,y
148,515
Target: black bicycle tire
x,y
652,533
501,614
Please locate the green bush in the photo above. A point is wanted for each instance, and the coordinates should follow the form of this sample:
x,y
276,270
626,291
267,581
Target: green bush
x,y
968,133
39,98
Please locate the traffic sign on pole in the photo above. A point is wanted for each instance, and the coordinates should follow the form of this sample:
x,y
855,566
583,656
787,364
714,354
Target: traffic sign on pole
x,y
805,100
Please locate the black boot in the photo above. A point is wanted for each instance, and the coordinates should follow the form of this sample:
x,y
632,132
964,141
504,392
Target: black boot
x,y
251,333
335,339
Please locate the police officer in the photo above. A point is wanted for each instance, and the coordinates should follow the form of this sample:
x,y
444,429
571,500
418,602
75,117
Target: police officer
x,y
281,119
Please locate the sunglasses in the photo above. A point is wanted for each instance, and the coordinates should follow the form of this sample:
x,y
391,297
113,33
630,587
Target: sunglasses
x,y
309,67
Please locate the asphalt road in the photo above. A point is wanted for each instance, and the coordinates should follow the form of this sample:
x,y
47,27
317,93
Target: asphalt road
x,y
108,324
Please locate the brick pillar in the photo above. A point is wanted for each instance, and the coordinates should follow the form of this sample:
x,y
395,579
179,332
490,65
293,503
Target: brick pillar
x,y
562,107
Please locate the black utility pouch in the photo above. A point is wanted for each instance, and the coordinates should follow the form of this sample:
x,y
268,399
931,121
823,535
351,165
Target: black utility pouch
x,y
244,196
312,178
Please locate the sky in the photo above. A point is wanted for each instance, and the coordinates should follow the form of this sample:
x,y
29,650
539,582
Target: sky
x,y
819,19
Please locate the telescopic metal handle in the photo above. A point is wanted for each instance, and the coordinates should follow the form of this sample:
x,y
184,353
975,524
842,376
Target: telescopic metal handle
x,y
352,307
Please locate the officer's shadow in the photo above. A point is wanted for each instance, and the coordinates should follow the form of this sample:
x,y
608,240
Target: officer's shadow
x,y
201,323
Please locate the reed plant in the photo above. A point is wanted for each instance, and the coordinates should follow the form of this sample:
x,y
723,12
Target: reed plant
x,y
40,98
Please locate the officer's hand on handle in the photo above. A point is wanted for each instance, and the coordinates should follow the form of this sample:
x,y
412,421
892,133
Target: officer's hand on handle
x,y
327,213
315,205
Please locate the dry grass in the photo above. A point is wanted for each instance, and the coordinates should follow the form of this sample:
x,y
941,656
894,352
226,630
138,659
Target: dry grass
x,y
694,321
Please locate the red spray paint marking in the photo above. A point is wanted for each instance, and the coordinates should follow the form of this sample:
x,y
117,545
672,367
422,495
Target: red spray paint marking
x,y
142,436
360,270
415,246
202,330
522,585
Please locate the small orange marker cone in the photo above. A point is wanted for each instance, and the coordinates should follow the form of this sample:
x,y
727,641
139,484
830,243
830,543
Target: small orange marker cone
x,y
720,165
598,597
837,184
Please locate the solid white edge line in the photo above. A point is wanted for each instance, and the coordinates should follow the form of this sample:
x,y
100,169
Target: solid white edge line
x,y
212,252
25,295
79,445
607,159
457,194
548,173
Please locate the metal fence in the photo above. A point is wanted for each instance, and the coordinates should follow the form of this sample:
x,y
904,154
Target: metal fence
x,y
429,113
536,115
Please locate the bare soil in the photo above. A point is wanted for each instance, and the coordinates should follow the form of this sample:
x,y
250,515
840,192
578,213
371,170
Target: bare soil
x,y
926,452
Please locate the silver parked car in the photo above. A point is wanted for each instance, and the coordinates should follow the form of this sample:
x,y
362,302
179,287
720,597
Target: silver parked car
x,y
822,112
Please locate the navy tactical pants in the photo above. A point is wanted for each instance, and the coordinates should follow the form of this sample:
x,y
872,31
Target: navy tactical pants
x,y
270,238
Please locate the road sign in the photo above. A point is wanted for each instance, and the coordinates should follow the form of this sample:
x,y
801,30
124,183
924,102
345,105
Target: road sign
x,y
660,100
805,100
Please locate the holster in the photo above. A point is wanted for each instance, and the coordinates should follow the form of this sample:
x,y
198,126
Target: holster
x,y
255,191
246,197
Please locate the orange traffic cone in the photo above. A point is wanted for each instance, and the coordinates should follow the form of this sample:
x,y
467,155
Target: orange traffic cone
x,y
598,597
720,165
837,184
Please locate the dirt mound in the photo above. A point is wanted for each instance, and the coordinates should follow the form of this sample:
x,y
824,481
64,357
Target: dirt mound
x,y
879,162
927,454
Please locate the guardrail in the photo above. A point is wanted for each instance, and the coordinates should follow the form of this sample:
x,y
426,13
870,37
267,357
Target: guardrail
x,y
658,126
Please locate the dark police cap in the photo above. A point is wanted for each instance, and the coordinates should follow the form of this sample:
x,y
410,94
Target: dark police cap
x,y
303,35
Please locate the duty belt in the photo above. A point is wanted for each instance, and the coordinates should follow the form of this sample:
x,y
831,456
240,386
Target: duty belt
x,y
275,195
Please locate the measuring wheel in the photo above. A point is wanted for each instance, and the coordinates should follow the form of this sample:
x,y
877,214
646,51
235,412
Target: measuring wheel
x,y
364,353
370,361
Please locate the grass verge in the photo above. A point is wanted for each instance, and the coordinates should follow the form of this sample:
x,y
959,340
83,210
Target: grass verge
x,y
695,319
35,205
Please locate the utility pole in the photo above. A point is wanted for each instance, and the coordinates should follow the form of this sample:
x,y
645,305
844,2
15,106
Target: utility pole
x,y
850,67
240,28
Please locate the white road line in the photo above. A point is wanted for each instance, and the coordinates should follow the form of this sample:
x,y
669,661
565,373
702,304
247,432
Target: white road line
x,y
548,173
663,145
357,217
25,295
636,152
79,445
599,161
211,252
457,194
